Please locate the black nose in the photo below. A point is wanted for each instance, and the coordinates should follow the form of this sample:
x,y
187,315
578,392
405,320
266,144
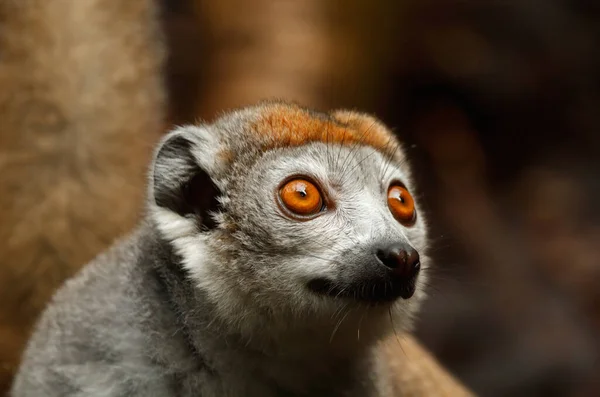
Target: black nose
x,y
401,258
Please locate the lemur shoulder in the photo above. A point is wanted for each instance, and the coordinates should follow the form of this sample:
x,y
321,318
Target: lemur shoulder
x,y
280,245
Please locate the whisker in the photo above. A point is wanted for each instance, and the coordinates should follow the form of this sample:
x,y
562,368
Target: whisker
x,y
355,146
387,159
359,323
338,324
373,151
394,329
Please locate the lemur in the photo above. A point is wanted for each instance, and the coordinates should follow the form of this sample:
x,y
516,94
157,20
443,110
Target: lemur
x,y
280,244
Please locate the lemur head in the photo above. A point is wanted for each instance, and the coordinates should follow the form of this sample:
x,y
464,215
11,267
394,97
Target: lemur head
x,y
280,212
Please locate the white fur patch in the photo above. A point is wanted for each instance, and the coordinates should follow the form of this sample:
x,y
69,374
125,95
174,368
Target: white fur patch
x,y
183,234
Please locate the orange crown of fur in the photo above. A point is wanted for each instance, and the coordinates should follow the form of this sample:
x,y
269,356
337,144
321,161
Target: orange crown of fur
x,y
284,125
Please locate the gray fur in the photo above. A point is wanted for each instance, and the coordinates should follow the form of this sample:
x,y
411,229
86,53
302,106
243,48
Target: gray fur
x,y
181,309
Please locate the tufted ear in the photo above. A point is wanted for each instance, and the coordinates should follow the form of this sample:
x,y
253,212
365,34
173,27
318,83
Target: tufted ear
x,y
181,177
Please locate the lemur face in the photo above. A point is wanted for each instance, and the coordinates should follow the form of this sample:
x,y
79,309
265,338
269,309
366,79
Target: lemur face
x,y
339,222
287,210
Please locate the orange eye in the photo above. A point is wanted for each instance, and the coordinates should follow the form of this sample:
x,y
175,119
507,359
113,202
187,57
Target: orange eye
x,y
301,197
401,204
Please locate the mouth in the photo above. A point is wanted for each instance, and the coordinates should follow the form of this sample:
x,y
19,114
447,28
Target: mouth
x,y
380,291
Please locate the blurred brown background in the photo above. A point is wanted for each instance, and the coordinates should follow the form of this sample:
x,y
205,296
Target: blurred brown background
x,y
497,100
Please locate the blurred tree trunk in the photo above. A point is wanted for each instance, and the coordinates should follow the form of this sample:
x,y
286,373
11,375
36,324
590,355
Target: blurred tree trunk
x,y
319,53
81,105
263,49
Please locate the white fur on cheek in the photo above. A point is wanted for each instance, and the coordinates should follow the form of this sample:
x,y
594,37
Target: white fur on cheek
x,y
192,246
183,234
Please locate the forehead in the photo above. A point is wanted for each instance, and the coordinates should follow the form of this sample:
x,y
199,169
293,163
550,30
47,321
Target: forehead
x,y
282,125
329,162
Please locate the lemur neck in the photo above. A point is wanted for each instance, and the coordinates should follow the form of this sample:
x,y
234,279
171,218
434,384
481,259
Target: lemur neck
x,y
309,351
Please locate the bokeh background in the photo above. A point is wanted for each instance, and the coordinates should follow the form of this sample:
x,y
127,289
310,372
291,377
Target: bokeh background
x,y
498,102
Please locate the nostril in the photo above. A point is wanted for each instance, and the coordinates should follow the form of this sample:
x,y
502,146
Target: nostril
x,y
393,257
413,259
388,258
403,260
